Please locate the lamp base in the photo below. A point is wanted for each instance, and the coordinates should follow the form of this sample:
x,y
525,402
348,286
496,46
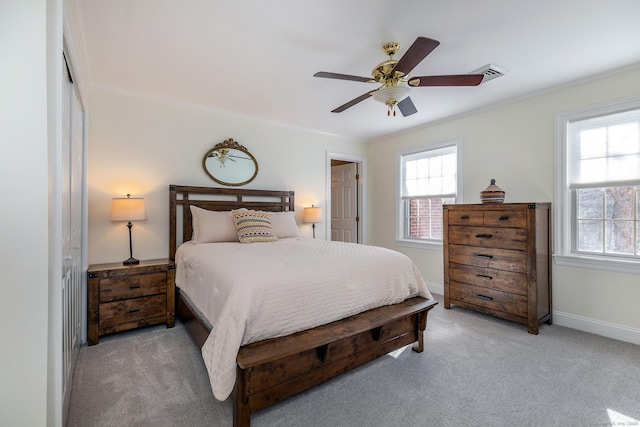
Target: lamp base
x,y
131,261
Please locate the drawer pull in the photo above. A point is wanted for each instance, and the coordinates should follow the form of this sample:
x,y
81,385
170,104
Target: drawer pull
x,y
484,236
503,218
136,286
482,276
484,256
484,297
464,217
133,310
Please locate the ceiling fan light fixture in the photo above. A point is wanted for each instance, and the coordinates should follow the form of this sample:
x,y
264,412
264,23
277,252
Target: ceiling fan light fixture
x,y
390,96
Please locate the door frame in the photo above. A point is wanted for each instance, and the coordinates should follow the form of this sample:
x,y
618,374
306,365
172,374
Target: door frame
x,y
362,194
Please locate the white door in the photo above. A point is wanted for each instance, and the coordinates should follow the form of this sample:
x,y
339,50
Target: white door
x,y
72,277
344,203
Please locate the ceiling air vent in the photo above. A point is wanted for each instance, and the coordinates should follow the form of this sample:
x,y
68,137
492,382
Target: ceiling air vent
x,y
490,72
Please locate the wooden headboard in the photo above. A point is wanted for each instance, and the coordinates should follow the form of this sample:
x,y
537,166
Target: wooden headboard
x,y
218,199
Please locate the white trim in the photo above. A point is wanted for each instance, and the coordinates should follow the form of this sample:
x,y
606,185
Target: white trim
x,y
598,327
362,182
562,213
617,265
427,244
456,141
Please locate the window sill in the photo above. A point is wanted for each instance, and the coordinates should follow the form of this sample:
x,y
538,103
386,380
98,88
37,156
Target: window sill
x,y
434,246
598,263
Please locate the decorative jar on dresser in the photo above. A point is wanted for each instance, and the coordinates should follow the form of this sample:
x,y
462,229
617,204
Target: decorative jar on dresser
x,y
122,297
497,260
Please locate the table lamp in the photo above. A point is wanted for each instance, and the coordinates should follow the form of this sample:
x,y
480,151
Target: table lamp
x,y
128,210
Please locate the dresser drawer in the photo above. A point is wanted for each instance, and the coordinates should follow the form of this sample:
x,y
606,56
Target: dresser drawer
x,y
501,259
133,310
489,237
506,218
125,287
489,278
462,217
489,298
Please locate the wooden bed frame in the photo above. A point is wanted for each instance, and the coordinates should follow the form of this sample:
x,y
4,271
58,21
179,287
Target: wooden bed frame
x,y
272,370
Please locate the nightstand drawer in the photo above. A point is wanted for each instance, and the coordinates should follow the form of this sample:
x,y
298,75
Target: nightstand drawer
x,y
133,310
489,237
489,278
501,259
117,288
489,298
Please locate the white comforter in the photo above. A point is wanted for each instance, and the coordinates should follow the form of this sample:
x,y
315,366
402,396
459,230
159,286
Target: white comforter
x,y
251,292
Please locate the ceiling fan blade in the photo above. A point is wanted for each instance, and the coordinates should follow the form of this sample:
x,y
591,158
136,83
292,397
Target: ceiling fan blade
x,y
351,103
451,80
419,50
327,75
407,107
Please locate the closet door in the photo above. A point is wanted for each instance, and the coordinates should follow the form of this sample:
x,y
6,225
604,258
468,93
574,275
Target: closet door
x,y
71,193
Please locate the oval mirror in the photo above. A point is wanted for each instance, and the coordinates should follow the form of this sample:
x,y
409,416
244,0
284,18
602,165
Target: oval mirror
x,y
230,163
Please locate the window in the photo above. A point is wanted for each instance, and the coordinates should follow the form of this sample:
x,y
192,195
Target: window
x,y
428,179
598,151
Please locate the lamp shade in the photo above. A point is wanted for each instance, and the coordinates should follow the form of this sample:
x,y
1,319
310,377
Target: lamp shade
x,y
128,209
312,214
391,95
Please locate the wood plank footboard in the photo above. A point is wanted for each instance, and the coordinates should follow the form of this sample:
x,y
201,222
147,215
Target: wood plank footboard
x,y
272,370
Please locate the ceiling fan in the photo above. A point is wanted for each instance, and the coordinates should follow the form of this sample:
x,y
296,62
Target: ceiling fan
x,y
396,84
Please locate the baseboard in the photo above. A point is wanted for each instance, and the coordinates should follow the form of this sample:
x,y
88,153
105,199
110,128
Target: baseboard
x,y
436,288
584,324
598,327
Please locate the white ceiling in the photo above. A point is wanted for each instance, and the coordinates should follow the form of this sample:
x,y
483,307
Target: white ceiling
x,y
257,58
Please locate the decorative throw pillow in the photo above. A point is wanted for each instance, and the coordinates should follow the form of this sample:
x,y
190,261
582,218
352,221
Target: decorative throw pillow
x,y
253,226
283,224
212,226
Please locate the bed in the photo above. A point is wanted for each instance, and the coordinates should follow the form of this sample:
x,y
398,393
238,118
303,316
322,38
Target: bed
x,y
288,322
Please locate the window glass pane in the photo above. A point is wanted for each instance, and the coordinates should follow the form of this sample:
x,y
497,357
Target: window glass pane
x,y
619,237
590,236
619,203
637,238
449,164
593,170
435,166
623,138
410,170
421,186
592,143
422,166
435,185
425,217
589,203
619,167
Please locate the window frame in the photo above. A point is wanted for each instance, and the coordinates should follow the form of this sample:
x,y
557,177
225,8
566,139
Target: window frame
x,y
564,200
401,240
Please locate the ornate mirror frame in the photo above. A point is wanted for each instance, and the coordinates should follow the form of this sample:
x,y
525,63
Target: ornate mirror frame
x,y
229,163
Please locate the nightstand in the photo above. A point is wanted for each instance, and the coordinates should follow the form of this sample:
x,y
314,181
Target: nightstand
x,y
122,297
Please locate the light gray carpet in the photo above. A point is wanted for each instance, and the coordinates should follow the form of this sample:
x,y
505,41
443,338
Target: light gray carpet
x,y
476,370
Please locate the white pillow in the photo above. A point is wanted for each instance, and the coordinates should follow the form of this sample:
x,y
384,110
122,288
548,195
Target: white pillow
x,y
213,226
283,224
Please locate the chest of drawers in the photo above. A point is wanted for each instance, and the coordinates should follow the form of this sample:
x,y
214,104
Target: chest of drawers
x,y
122,297
497,260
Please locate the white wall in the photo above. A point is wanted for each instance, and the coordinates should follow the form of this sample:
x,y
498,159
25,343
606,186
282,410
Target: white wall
x,y
140,146
24,311
514,143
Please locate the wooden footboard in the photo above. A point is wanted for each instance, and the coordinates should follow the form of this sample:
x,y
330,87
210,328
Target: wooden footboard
x,y
272,370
